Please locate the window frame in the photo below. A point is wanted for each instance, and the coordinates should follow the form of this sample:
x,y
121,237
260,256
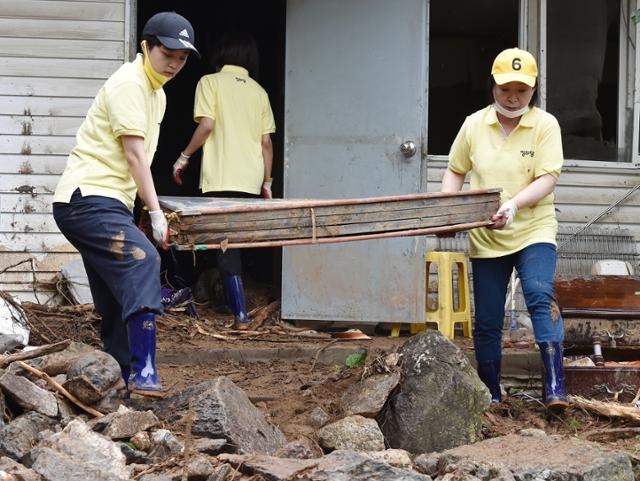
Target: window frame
x,y
532,36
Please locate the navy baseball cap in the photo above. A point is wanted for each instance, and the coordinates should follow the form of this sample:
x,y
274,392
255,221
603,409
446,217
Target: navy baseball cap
x,y
172,30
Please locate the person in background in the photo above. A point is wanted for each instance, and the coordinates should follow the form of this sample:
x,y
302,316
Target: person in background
x,y
93,202
235,123
516,146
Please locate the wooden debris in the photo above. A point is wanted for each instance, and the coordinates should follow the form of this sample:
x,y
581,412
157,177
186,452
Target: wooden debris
x,y
59,388
212,223
261,314
33,353
608,409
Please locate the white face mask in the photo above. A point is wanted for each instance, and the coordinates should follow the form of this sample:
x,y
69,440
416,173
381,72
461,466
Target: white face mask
x,y
511,114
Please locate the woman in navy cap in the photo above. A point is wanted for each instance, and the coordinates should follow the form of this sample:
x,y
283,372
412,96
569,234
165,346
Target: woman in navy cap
x,y
93,202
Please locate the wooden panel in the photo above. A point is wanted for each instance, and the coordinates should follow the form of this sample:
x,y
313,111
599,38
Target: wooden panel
x,y
26,125
599,292
47,28
27,203
583,213
15,278
62,10
56,48
46,87
36,144
24,293
32,164
20,222
28,184
48,67
34,242
48,106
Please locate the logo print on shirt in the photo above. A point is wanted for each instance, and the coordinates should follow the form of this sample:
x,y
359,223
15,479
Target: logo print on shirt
x,y
527,153
238,79
184,33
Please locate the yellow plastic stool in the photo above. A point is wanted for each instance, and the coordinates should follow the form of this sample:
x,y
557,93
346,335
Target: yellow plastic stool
x,y
444,314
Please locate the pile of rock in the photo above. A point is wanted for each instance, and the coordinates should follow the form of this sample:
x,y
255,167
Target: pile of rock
x,y
413,418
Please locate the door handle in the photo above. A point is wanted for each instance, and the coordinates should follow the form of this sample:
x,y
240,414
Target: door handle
x,y
408,148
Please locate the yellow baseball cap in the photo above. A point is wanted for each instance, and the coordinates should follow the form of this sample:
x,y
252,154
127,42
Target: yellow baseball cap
x,y
515,65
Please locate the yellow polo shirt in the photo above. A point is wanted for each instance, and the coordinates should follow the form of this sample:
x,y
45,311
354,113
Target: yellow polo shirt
x,y
532,149
125,105
232,154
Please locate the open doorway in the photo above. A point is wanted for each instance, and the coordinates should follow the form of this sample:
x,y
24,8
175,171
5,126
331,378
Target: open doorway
x,y
266,22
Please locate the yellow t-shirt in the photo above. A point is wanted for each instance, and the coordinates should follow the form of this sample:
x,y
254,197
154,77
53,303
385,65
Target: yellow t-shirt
x,y
232,154
532,149
125,105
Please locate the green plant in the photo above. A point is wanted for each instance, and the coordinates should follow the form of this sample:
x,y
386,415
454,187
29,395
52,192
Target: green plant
x,y
355,359
573,424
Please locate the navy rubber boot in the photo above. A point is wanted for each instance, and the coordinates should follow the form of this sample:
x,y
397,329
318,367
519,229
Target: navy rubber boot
x,y
235,298
142,341
489,372
555,395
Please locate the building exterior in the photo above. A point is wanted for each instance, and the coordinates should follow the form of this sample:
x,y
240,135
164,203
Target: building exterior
x,y
362,78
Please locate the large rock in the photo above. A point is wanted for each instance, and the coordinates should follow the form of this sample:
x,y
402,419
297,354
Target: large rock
x,y
355,433
352,466
368,397
124,423
221,409
92,376
537,458
79,454
59,362
18,471
18,437
29,396
440,401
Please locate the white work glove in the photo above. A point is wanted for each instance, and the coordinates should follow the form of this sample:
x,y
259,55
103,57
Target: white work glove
x,y
159,228
509,209
179,166
266,189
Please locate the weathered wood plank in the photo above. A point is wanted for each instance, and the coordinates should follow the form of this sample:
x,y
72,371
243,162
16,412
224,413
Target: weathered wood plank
x,y
46,87
62,10
599,292
291,211
20,222
329,231
32,164
11,280
61,48
34,242
24,293
27,203
28,184
47,106
50,67
25,125
328,220
36,144
50,28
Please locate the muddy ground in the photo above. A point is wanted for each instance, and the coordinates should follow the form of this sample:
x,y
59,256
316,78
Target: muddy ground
x,y
287,390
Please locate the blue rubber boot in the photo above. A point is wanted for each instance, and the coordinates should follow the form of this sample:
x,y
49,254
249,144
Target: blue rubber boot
x,y
555,395
142,341
489,372
235,298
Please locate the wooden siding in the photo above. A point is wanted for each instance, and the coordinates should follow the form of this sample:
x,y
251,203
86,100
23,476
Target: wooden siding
x,y
54,57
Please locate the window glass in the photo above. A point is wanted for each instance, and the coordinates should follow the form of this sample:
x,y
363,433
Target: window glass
x,y
583,46
464,38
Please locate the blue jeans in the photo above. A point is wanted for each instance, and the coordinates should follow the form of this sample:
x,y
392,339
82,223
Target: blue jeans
x,y
536,265
123,266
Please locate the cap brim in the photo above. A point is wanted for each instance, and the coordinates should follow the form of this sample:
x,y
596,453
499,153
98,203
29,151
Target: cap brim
x,y
178,44
505,78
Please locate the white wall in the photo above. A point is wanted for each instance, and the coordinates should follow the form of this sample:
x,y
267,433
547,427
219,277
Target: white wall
x,y
54,56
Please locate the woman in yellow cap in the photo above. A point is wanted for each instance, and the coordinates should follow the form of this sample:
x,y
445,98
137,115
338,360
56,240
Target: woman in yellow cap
x,y
93,202
516,146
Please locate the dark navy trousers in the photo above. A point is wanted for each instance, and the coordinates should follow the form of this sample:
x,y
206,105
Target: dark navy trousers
x,y
122,265
536,266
